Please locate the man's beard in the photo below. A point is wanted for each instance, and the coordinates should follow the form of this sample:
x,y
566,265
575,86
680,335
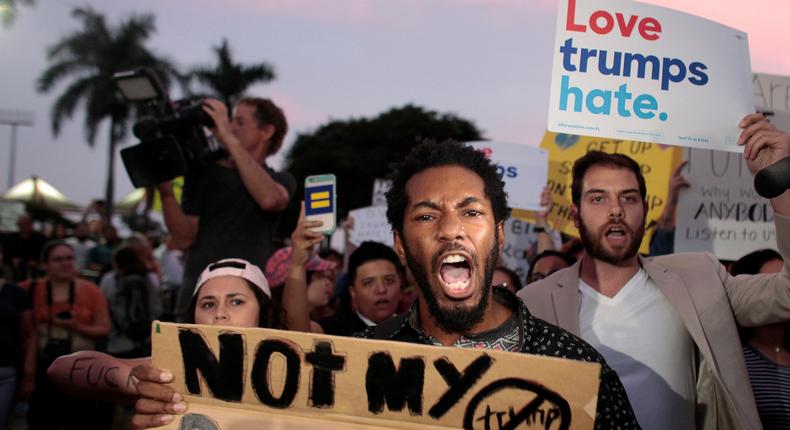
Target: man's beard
x,y
456,319
594,244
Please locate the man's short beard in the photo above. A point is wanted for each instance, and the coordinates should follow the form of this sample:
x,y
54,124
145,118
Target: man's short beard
x,y
457,319
595,248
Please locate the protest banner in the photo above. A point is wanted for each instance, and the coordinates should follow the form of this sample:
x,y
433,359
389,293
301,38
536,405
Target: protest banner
x,y
523,168
232,377
771,92
371,223
656,161
721,212
626,70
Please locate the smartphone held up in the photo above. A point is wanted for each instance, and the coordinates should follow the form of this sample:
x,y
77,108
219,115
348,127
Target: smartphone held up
x,y
320,201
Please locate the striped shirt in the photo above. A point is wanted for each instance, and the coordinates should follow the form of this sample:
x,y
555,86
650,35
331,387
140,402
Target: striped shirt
x,y
771,386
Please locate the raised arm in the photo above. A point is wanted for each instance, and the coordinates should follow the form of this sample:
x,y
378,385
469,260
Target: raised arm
x,y
96,375
765,145
270,195
182,227
294,298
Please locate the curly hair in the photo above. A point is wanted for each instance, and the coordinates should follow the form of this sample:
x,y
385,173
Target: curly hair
x,y
431,153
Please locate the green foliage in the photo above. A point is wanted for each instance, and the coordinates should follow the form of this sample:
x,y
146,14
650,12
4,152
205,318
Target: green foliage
x,y
228,80
87,60
358,151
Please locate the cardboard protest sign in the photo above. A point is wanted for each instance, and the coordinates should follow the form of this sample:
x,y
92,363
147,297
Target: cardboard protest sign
x,y
771,92
370,223
656,161
721,212
523,169
626,70
232,377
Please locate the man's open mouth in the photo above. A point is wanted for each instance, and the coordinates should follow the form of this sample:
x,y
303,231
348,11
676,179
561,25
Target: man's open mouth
x,y
455,273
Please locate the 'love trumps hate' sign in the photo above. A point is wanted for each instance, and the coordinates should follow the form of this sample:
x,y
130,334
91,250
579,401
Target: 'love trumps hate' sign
x,y
627,70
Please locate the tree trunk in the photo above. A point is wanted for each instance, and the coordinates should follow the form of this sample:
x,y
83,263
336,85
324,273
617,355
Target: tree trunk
x,y
110,190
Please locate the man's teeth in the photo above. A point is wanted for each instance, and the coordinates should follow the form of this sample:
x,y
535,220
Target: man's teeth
x,y
458,285
454,258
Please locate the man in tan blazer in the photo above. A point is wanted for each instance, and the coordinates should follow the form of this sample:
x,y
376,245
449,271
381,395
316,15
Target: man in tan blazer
x,y
667,325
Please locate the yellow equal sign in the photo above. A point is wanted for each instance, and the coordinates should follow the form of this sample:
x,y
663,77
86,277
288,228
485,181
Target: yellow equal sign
x,y
319,200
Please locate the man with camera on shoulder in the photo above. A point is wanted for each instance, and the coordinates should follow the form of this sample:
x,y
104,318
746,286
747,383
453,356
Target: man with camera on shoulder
x,y
230,208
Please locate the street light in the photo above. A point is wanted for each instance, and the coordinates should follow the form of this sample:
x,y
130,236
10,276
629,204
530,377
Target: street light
x,y
14,118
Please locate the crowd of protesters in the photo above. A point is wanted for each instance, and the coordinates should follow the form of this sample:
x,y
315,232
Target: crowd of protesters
x,y
86,290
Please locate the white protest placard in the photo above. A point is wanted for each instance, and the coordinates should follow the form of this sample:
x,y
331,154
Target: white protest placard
x,y
629,70
521,246
371,223
524,169
252,378
721,212
771,92
10,211
380,188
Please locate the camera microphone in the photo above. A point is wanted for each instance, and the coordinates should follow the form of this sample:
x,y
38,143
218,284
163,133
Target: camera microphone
x,y
774,179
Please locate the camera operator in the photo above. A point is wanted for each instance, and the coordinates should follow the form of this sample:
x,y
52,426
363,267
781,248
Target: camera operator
x,y
230,208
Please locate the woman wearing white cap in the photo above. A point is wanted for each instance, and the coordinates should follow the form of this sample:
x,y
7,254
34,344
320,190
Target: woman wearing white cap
x,y
230,292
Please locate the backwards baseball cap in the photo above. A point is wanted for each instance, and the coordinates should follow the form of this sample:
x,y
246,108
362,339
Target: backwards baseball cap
x,y
234,267
280,261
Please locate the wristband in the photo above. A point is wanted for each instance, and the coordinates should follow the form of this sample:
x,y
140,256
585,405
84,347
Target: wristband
x,y
539,229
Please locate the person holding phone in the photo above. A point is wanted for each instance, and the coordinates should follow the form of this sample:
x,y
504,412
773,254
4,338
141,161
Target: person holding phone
x,y
230,208
70,314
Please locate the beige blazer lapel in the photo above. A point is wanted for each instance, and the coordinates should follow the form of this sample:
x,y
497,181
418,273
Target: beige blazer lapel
x,y
565,298
675,290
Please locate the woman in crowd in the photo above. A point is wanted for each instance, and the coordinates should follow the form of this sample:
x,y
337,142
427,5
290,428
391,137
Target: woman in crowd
x,y
230,292
308,279
767,350
70,314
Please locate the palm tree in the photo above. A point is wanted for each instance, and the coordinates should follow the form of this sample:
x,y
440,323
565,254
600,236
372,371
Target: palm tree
x,y
228,80
88,58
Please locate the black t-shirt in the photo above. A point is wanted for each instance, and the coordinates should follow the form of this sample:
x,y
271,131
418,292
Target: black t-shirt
x,y
13,301
231,225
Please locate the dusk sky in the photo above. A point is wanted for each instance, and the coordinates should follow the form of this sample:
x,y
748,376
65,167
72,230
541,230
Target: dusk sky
x,y
488,61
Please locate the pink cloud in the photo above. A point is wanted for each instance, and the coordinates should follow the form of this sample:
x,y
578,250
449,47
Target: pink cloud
x,y
765,21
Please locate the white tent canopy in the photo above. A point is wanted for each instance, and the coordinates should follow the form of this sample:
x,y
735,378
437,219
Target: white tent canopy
x,y
38,192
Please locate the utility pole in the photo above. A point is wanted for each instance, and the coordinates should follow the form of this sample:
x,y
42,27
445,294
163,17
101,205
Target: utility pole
x,y
14,118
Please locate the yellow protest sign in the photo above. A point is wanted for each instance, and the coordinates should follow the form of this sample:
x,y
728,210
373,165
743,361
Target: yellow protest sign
x,y
656,161
178,187
250,378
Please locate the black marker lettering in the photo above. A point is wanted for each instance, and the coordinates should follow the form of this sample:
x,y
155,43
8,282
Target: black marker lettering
x,y
397,387
458,384
224,378
322,383
107,379
260,373
75,364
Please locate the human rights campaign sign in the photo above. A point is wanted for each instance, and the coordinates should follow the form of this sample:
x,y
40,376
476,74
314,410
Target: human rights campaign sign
x,y
629,70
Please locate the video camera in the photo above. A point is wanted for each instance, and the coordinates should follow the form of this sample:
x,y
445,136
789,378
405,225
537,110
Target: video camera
x,y
174,141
